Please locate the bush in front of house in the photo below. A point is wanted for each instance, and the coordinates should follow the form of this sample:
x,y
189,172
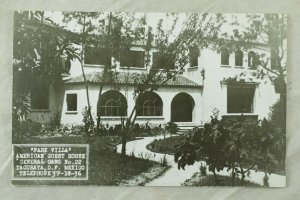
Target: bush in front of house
x,y
235,144
172,128
29,128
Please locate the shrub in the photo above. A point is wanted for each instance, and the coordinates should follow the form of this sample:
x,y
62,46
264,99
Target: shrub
x,y
203,170
88,122
171,127
31,128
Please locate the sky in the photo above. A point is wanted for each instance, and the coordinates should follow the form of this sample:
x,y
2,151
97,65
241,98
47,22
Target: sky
x,y
153,19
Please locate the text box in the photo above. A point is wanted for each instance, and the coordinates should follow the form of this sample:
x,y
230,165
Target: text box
x,y
50,161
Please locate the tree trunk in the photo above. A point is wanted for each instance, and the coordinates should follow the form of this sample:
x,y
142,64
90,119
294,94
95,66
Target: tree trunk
x,y
98,108
232,175
216,178
124,140
243,177
83,74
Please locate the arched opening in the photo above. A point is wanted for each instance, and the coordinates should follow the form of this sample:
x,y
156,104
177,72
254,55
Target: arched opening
x,y
112,103
224,56
182,107
149,104
252,60
239,58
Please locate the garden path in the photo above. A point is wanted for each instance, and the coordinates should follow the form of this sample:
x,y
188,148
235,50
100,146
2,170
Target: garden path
x,y
175,177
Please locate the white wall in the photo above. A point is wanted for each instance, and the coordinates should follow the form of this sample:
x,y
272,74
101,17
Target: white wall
x,y
215,93
166,94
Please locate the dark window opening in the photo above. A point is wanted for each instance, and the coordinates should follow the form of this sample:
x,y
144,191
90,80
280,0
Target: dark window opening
x,y
252,60
71,102
163,61
65,65
239,58
113,103
275,61
97,56
149,104
194,54
39,96
134,59
240,99
224,56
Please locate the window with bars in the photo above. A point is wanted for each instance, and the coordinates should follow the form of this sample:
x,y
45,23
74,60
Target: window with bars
x,y
113,103
149,104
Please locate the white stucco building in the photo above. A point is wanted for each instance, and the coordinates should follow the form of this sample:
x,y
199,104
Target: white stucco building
x,y
215,79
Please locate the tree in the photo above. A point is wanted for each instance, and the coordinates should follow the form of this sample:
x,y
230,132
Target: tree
x,y
39,48
198,30
113,32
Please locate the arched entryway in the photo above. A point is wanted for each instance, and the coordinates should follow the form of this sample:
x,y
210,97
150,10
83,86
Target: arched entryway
x,y
182,107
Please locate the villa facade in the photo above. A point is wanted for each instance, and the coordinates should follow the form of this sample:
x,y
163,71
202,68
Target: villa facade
x,y
215,79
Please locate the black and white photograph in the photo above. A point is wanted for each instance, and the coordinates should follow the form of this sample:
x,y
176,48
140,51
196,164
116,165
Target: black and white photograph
x,y
149,99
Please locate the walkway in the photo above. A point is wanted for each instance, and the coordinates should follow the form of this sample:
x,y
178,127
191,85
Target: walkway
x,y
175,177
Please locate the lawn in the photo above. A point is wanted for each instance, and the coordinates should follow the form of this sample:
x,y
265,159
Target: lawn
x,y
167,145
106,167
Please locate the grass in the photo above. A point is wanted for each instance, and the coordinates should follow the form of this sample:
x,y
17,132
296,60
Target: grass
x,y
209,180
106,167
167,145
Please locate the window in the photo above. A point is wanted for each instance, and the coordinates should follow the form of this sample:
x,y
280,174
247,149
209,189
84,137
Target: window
x,y
65,65
113,103
194,54
240,99
224,56
239,58
275,61
71,102
39,96
134,59
97,56
252,60
149,104
163,61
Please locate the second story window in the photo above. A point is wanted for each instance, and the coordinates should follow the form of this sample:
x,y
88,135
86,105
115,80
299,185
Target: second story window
x,y
252,60
239,58
163,61
275,61
97,56
135,59
193,55
224,56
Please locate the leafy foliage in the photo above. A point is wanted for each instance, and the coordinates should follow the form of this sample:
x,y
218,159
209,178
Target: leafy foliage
x,y
39,48
172,128
236,145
